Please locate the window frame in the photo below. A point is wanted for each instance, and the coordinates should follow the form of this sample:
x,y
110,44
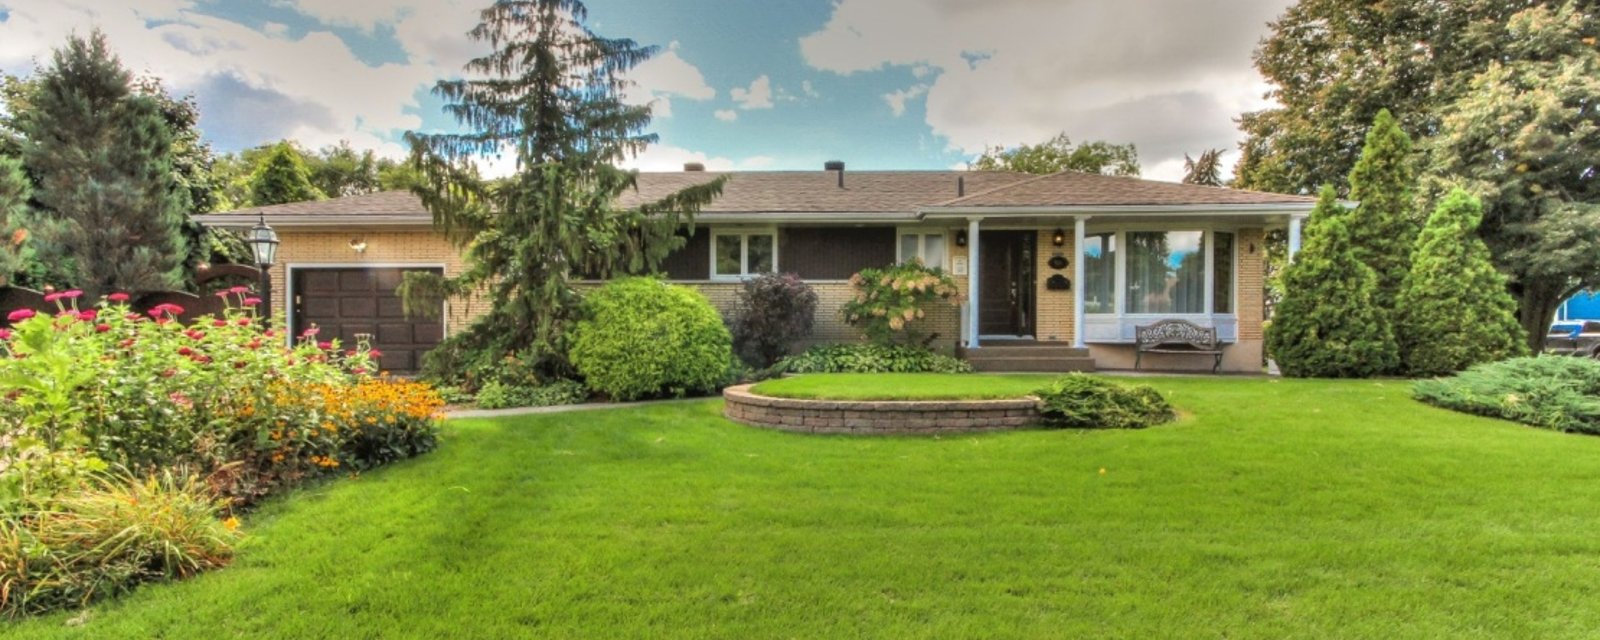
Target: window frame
x,y
1120,268
744,234
922,234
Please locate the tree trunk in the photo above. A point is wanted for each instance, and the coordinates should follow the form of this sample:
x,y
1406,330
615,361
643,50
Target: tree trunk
x,y
1536,309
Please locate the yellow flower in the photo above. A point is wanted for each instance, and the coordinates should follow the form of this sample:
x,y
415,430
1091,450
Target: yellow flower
x,y
231,524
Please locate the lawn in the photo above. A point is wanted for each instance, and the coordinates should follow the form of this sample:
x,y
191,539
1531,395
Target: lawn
x,y
904,386
1276,509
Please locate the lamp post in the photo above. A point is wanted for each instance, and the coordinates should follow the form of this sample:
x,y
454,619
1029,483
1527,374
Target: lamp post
x,y
263,243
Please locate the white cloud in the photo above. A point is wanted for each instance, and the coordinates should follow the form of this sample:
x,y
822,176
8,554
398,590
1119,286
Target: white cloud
x,y
726,115
758,96
663,77
362,14
897,99
665,157
809,89
757,162
1019,71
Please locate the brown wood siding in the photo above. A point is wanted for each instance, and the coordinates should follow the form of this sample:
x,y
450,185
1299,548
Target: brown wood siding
x,y
693,261
834,253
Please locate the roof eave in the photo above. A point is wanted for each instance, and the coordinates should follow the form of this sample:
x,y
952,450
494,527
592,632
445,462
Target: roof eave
x,y
1267,209
237,221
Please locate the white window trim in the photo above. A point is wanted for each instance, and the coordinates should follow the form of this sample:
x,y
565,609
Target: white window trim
x,y
922,234
743,233
1120,271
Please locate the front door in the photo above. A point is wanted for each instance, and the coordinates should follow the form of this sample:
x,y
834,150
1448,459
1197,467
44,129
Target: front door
x,y
1006,283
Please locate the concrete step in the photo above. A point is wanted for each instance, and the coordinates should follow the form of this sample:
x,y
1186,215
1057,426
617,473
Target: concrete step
x,y
1028,351
1031,364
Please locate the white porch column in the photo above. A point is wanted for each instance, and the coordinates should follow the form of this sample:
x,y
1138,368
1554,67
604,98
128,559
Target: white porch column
x,y
1078,234
1294,235
972,283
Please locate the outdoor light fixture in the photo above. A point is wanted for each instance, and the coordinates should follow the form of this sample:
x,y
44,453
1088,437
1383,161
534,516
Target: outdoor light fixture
x,y
1058,238
1252,248
263,243
358,245
961,238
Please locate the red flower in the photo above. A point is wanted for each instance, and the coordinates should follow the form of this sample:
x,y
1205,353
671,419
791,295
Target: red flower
x,y
169,373
251,302
324,345
269,333
243,322
195,334
351,353
375,353
126,343
359,370
185,351
88,316
254,344
102,328
118,297
20,314
219,322
202,359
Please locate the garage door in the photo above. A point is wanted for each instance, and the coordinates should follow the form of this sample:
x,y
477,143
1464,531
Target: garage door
x,y
344,303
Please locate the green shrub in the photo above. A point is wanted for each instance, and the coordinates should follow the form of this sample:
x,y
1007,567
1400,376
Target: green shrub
x,y
1084,401
496,395
871,358
891,302
1553,392
108,536
641,337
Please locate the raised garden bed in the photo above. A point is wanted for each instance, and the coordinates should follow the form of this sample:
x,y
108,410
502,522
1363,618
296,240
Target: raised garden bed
x,y
877,417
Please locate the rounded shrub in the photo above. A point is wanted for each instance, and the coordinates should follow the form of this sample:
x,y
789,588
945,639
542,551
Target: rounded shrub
x,y
1086,402
641,337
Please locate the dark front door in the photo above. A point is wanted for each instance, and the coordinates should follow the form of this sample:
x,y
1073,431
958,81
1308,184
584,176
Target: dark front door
x,y
1005,283
347,303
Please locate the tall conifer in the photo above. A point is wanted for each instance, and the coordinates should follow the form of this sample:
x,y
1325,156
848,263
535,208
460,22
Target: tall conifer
x,y
1383,226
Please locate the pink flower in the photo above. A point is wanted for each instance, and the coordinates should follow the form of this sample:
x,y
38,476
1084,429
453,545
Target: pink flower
x,y
88,316
132,317
243,322
310,332
350,353
254,344
269,333
239,290
52,297
21,314
359,370
324,345
73,294
102,328
219,322
251,302
5,334
375,353
118,297
222,294
195,334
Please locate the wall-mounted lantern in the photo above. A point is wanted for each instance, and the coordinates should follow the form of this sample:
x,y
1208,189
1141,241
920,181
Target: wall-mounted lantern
x,y
1059,238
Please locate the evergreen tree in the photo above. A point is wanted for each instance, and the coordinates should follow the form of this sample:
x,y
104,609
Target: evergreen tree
x,y
549,92
282,177
14,193
1327,326
1454,310
1383,226
101,156
1205,170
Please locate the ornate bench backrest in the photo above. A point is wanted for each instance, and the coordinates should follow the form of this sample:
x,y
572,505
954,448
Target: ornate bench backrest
x,y
1176,332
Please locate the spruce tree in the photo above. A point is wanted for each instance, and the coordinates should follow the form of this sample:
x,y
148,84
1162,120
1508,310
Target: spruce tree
x,y
1327,325
1454,310
282,177
548,92
110,215
1383,226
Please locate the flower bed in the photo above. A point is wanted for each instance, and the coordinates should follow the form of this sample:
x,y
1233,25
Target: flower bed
x,y
97,401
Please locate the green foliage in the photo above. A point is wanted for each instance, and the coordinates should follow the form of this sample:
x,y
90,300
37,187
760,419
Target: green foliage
x,y
641,337
871,358
498,395
1205,170
1327,325
1059,154
890,302
14,194
1082,401
772,313
550,91
1454,311
103,540
282,177
1523,137
1383,226
110,207
1553,392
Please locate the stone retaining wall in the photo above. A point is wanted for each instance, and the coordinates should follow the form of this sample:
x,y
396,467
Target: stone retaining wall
x,y
877,417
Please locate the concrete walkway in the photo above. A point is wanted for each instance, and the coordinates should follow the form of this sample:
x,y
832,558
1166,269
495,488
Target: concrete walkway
x,y
564,408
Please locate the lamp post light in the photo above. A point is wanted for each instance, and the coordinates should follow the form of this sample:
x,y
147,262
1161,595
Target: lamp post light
x,y
263,243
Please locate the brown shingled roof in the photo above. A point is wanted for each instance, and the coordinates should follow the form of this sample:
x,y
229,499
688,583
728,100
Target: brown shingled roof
x,y
819,191
1077,189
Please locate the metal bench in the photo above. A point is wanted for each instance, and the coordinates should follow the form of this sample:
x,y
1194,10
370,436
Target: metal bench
x,y
1176,336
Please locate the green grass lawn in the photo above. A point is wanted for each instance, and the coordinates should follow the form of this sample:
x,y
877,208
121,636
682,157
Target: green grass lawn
x,y
904,386
1277,509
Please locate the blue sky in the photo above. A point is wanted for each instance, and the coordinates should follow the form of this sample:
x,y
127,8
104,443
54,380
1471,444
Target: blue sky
x,y
747,84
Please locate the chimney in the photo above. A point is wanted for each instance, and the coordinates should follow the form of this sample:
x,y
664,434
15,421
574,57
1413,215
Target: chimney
x,y
693,166
961,186
835,165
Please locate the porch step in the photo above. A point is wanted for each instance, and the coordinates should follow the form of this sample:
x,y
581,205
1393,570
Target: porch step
x,y
1031,364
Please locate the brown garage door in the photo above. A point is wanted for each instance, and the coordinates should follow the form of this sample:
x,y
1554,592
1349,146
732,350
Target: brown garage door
x,y
346,302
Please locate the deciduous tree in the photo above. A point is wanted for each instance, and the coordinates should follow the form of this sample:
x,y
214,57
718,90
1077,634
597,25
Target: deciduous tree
x,y
282,177
1060,154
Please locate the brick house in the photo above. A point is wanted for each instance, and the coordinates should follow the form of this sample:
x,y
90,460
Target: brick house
x,y
1063,265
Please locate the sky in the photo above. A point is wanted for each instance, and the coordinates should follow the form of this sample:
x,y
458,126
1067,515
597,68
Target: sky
x,y
736,84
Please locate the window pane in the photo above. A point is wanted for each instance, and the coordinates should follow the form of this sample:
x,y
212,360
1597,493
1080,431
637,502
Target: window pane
x,y
728,255
1166,272
909,248
760,254
1222,273
1099,273
933,251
